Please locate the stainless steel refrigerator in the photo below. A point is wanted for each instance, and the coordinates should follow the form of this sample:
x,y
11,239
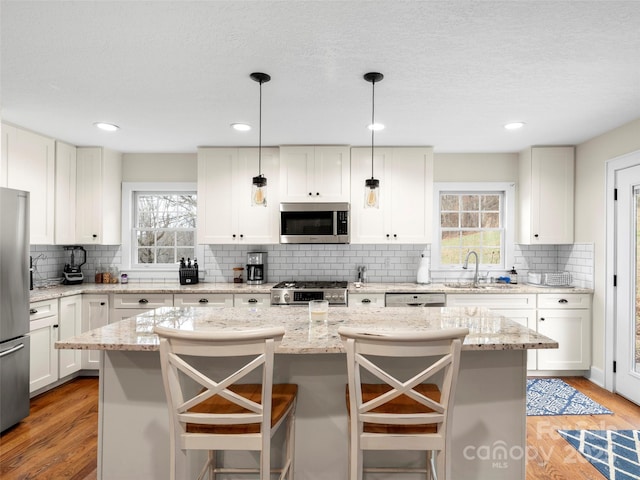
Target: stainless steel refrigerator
x,y
14,306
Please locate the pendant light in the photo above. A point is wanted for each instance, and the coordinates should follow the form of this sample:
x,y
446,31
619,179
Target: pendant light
x,y
372,185
259,184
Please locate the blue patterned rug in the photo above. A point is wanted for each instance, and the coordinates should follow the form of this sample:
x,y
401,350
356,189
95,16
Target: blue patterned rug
x,y
615,453
552,396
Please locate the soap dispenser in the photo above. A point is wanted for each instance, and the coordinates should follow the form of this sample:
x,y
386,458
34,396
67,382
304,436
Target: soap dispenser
x,y
424,269
513,275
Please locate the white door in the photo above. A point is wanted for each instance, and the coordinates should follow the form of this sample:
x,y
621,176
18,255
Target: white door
x,y
627,295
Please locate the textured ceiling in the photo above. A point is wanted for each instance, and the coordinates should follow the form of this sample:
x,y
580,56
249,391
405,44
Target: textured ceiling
x,y
175,74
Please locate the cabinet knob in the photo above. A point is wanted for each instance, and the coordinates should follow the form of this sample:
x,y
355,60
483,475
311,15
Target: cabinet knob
x,y
234,235
94,235
388,235
203,300
143,301
241,235
542,319
366,300
252,300
563,300
102,304
395,235
536,235
33,311
317,193
55,326
310,193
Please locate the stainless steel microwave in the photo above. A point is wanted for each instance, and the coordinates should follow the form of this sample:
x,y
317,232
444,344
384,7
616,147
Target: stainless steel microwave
x,y
314,222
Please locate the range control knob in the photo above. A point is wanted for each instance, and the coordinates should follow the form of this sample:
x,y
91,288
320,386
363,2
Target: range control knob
x,y
275,297
286,297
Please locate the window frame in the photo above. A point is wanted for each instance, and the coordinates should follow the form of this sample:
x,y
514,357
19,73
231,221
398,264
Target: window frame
x,y
506,188
129,189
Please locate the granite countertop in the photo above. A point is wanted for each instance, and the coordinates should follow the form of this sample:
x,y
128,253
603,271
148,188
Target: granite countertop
x,y
488,331
170,288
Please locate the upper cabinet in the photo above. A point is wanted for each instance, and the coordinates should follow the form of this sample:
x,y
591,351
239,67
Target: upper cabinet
x,y
65,207
225,213
546,200
406,195
28,163
99,196
314,174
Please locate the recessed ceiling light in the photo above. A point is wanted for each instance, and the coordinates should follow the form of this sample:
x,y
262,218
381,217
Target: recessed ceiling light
x,y
241,127
108,127
514,125
376,126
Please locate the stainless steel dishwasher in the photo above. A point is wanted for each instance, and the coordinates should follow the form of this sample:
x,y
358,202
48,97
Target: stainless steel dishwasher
x,y
400,299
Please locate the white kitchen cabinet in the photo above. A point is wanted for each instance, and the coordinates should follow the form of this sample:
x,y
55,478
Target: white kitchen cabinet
x,y
95,314
406,195
127,305
28,162
65,190
314,173
546,200
203,300
225,213
566,319
70,325
520,308
366,299
98,196
254,300
43,333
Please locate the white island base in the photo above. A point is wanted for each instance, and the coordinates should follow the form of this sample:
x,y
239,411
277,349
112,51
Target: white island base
x,y
489,426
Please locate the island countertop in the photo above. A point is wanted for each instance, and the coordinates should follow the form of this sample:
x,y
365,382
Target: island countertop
x,y
487,330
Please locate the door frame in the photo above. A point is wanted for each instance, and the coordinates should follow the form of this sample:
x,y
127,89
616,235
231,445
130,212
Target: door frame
x,y
627,160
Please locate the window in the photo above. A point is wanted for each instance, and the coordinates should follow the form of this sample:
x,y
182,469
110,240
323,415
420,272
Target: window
x,y
159,225
165,227
476,217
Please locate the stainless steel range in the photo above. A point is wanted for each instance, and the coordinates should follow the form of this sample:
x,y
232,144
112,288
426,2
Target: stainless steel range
x,y
300,293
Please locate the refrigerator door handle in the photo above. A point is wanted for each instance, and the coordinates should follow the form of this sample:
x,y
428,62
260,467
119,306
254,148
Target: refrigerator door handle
x,y
12,350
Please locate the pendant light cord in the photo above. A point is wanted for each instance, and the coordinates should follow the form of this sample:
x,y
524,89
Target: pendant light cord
x,y
260,135
373,116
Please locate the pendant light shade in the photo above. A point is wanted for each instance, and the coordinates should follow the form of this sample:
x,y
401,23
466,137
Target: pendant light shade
x,y
372,185
259,183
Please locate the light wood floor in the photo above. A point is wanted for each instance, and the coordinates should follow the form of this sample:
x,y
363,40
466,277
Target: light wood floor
x,y
59,438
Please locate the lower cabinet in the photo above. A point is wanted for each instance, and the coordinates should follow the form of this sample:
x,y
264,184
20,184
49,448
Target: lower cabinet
x,y
567,319
203,300
50,321
127,305
95,314
366,299
257,300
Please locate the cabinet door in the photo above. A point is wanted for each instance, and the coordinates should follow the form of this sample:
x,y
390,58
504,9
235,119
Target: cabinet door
x,y
203,300
70,325
572,330
411,195
217,222
526,318
331,174
98,196
30,166
296,174
370,225
95,314
546,191
256,224
366,299
257,300
43,368
65,206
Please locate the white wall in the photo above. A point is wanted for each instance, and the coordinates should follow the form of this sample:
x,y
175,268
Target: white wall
x,y
590,210
475,167
159,167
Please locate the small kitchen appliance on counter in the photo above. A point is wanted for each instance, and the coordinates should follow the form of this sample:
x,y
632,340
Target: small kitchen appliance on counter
x,y
256,268
301,293
73,267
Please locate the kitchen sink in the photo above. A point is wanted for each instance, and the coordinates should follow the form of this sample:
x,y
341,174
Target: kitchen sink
x,y
481,286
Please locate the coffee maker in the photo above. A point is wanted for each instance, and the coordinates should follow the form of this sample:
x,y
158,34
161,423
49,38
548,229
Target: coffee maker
x,y
256,268
72,269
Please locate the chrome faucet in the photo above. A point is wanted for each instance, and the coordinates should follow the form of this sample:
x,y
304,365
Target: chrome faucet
x,y
466,265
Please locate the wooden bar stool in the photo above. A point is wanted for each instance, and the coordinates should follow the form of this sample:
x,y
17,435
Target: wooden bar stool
x,y
395,414
222,415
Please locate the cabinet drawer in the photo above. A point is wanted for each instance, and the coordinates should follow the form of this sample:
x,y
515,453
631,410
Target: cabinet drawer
x,y
252,300
43,309
491,300
203,300
366,299
560,300
142,300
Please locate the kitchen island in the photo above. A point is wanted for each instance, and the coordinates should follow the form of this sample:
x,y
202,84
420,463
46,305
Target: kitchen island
x,y
489,426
